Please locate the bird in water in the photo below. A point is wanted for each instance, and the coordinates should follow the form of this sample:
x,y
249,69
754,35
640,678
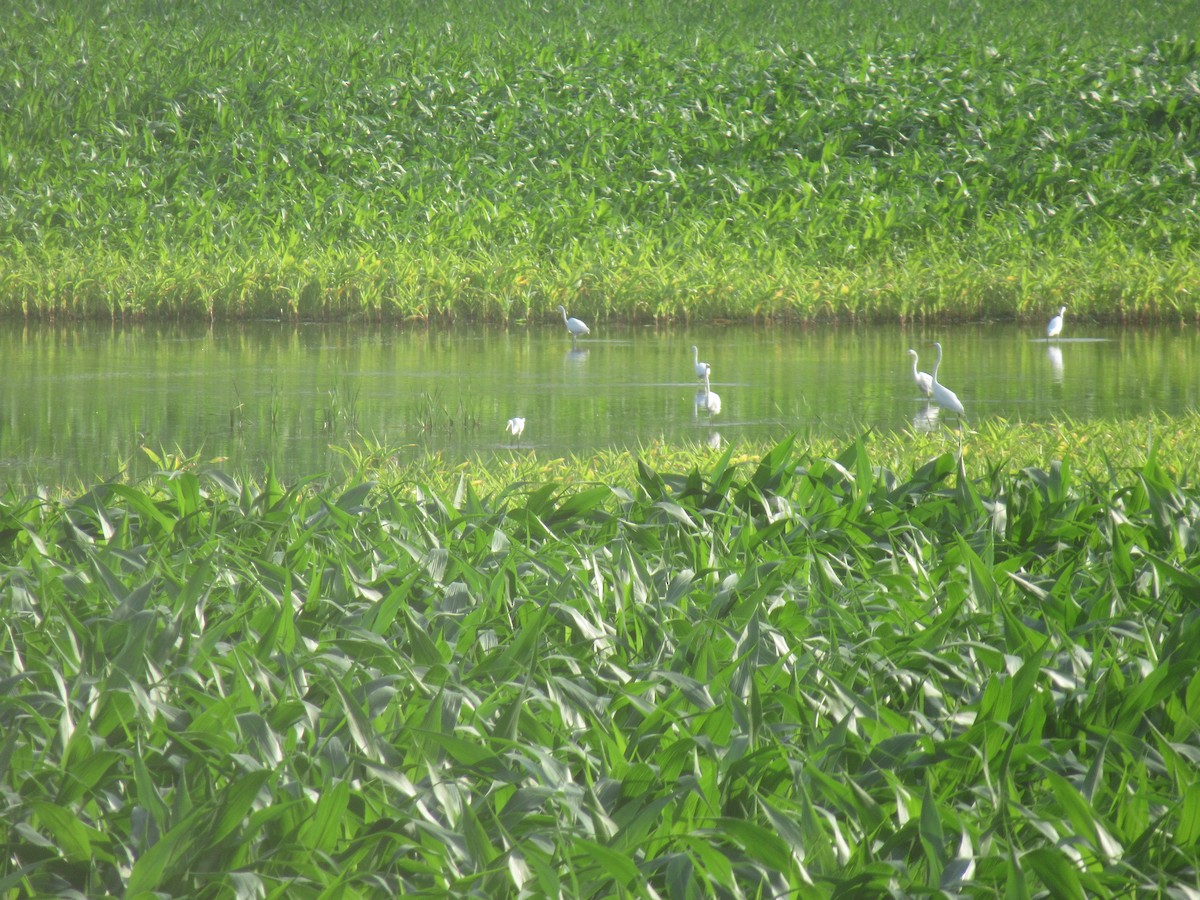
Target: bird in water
x,y
516,425
923,379
574,326
942,395
1054,329
702,368
708,399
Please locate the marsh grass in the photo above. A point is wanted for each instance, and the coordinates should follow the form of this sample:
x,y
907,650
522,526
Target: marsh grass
x,y
431,413
491,160
798,670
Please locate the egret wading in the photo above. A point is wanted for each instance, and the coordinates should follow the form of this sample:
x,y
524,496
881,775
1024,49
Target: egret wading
x,y
702,368
708,399
923,379
1054,329
516,425
942,395
574,326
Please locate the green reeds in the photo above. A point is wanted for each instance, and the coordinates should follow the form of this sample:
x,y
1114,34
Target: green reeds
x,y
802,672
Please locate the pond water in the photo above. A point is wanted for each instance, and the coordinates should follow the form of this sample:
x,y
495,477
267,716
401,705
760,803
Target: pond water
x,y
79,402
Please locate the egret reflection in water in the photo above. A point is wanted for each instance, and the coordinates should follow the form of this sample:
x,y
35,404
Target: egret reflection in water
x,y
926,419
1054,354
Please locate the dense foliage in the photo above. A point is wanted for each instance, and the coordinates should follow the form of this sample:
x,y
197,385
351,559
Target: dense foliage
x,y
493,159
796,675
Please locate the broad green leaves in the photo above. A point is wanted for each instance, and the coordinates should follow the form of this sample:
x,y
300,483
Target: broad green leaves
x,y
798,673
211,159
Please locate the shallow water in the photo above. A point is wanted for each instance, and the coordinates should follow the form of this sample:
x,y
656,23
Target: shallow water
x,y
80,402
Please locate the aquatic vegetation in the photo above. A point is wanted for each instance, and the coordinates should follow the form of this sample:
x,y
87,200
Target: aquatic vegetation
x,y
491,160
795,672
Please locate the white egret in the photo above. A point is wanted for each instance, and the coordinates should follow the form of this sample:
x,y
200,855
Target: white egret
x,y
574,326
516,425
1054,329
708,399
702,368
923,379
941,394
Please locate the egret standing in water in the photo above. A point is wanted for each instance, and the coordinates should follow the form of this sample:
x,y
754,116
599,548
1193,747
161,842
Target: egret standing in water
x,y
923,379
1054,329
941,394
708,399
574,326
702,368
516,425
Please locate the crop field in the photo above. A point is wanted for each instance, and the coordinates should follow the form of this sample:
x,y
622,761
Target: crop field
x,y
890,669
679,160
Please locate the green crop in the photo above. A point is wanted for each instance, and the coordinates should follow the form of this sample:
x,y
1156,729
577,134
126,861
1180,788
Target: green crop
x,y
794,673
491,160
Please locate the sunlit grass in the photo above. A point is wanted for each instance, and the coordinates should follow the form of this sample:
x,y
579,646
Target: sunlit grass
x,y
491,160
1096,449
870,668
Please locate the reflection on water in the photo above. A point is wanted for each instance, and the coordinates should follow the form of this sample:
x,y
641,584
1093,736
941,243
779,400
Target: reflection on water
x,y
82,402
1054,354
926,419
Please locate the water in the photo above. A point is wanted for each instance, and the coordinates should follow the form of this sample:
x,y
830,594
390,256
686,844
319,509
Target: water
x,y
81,402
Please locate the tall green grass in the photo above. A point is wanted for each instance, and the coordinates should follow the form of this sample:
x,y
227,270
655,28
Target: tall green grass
x,y
800,673
490,160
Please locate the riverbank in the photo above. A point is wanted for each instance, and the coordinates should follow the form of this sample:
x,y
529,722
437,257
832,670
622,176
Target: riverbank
x,y
488,163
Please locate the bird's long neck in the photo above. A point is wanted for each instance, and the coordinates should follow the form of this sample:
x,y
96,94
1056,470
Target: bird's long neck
x,y
937,364
564,312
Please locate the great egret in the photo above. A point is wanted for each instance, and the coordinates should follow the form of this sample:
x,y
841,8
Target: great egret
x,y
941,394
1054,329
702,368
574,326
516,425
923,379
708,399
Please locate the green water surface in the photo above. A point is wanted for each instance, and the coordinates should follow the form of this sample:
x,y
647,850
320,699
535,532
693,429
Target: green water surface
x,y
81,402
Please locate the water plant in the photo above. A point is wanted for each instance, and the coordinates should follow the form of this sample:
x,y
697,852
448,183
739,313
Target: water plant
x,y
493,160
433,413
793,673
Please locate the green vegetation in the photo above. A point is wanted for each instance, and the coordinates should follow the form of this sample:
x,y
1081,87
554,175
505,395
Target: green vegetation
x,y
910,664
660,159
800,674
